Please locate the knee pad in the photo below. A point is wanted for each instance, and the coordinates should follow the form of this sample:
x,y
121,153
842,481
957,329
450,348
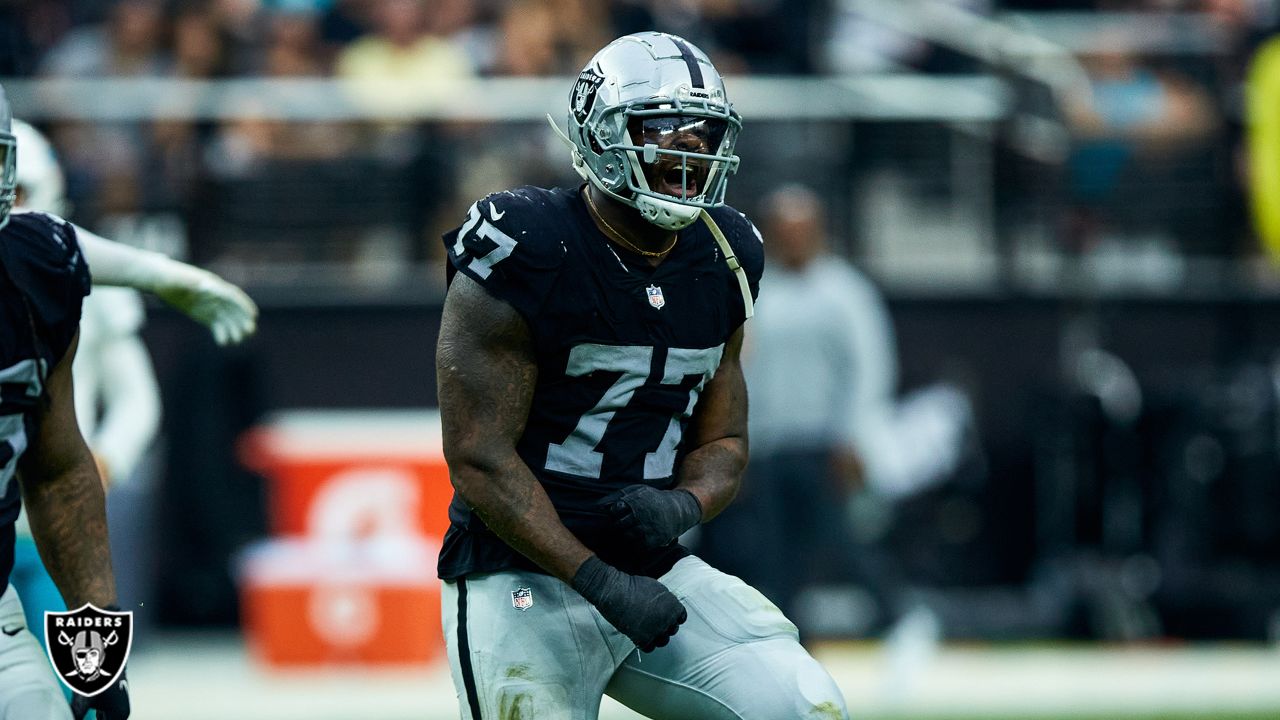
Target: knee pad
x,y
519,698
817,695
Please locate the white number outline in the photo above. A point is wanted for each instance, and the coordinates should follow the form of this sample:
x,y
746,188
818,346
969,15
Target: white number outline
x,y
482,265
578,454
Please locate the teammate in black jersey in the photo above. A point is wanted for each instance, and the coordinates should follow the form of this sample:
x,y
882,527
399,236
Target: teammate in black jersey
x,y
594,410
43,279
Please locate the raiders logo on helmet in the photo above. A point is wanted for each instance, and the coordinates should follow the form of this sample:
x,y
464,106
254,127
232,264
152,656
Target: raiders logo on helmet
x,y
88,647
584,93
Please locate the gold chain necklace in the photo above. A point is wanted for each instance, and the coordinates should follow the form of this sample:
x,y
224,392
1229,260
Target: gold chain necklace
x,y
618,236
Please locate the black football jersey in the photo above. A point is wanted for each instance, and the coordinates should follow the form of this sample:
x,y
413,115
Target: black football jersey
x,y
623,351
43,281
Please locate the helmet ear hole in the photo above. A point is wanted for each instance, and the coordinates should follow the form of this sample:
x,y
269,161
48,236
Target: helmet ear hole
x,y
613,172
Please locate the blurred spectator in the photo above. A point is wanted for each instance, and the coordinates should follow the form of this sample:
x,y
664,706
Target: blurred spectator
x,y
1130,128
404,60
527,37
129,43
536,37
199,47
105,163
201,50
585,27
27,29
343,22
294,46
821,366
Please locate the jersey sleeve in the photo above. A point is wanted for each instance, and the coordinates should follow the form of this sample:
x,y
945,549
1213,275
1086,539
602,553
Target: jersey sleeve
x,y
510,244
44,260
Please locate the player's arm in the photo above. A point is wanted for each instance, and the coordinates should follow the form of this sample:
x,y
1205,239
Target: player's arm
x,y
709,476
64,500
486,374
199,294
712,471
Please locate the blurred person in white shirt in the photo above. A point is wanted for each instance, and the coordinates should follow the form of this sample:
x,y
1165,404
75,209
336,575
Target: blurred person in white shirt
x,y
827,430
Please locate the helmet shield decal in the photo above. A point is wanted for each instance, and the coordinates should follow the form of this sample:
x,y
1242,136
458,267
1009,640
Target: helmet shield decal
x,y
584,93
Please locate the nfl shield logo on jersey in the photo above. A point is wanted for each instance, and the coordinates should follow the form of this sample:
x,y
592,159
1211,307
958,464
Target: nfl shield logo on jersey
x,y
655,296
88,647
522,598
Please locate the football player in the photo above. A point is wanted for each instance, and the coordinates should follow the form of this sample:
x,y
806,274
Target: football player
x,y
594,410
43,280
112,368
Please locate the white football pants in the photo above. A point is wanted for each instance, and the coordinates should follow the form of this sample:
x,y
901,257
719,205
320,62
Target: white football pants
x,y
28,689
736,657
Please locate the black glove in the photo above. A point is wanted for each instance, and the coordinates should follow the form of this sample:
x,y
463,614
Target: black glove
x,y
641,608
111,704
654,517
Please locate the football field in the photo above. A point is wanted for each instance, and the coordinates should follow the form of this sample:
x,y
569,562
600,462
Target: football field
x,y
211,676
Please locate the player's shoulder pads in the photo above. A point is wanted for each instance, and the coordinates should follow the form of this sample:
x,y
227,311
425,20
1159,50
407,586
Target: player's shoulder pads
x,y
512,243
746,241
41,255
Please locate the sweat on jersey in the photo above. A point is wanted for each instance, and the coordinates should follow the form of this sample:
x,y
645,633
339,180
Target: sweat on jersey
x,y
43,281
623,351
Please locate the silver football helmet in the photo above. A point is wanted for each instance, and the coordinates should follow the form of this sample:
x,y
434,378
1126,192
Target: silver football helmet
x,y
649,124
8,161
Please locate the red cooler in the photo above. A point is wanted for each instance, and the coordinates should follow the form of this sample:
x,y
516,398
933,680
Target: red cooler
x,y
358,506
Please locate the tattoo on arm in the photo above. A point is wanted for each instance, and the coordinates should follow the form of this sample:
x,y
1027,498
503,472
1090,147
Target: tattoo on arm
x,y
718,431
486,374
64,499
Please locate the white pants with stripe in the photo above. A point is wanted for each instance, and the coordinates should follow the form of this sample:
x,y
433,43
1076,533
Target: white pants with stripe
x,y
28,688
736,657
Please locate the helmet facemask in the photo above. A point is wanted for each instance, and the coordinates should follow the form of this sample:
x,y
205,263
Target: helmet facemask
x,y
673,158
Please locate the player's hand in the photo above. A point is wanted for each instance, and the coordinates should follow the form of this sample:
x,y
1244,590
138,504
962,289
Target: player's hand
x,y
654,517
641,608
111,704
211,301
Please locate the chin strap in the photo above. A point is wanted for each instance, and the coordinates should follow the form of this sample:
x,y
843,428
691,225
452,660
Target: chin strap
x,y
732,260
579,164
